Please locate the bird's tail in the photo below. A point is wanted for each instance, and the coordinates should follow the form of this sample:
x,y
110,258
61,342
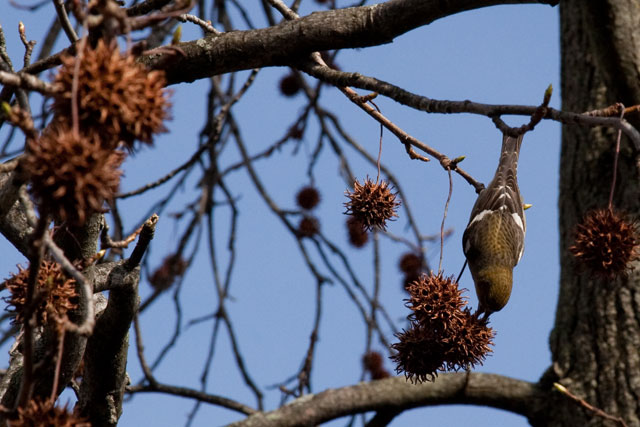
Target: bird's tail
x,y
508,165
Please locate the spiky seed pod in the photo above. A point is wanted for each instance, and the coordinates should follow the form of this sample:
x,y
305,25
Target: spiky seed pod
x,y
372,360
71,175
606,242
116,94
290,85
296,132
471,342
308,227
358,236
373,204
172,267
55,292
410,263
44,413
435,300
372,363
420,354
308,197
443,334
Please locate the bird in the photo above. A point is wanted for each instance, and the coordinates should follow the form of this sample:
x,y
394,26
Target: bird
x,y
493,241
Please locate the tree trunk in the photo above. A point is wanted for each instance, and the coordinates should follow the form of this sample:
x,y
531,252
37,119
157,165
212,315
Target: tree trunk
x,y
595,342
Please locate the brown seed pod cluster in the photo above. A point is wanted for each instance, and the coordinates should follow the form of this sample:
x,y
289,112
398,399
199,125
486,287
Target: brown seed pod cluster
x,y
443,334
372,204
308,197
74,165
172,267
606,242
413,266
71,173
358,236
373,363
45,413
56,294
115,95
290,85
308,227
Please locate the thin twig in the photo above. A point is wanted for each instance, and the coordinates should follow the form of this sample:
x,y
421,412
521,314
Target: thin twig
x,y
597,411
193,394
85,288
283,9
75,118
107,243
205,25
63,18
140,351
194,158
429,105
56,375
28,45
444,217
615,160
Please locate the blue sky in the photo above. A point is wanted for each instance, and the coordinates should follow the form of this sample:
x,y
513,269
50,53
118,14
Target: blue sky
x,y
502,55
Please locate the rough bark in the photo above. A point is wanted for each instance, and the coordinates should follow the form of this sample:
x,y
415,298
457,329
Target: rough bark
x,y
394,395
291,41
104,376
596,335
13,221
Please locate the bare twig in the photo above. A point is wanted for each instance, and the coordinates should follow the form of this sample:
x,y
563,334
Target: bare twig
x,y
193,394
140,352
27,81
194,158
205,25
85,288
404,138
597,411
615,160
56,375
429,105
63,18
444,217
28,45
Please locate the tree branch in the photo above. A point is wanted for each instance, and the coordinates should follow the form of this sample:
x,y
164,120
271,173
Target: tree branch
x,y
291,41
429,105
397,394
13,219
104,376
193,394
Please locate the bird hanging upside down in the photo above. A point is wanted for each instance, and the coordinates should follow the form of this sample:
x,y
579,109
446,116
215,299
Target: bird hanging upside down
x,y
493,241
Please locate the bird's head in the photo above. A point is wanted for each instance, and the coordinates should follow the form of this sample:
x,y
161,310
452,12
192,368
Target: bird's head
x,y
493,286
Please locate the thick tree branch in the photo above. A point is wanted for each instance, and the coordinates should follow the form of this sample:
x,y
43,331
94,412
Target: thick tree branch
x,y
396,394
82,242
104,376
13,219
429,105
294,40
